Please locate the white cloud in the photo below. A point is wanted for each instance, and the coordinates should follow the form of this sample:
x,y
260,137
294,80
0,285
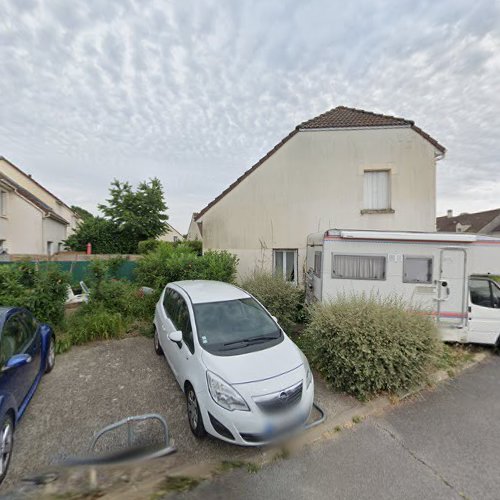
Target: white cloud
x,y
195,92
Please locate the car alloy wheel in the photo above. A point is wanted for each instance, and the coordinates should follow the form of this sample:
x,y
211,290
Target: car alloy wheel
x,y
6,441
51,355
194,414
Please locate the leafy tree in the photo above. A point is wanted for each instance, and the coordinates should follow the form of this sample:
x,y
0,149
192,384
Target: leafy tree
x,y
84,214
130,216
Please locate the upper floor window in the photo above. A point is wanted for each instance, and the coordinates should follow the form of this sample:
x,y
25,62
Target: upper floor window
x,y
377,190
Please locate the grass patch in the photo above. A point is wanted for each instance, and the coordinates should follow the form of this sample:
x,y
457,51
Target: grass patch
x,y
338,428
228,465
452,357
357,419
176,483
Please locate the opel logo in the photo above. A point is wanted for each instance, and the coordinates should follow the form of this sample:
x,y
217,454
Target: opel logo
x,y
283,397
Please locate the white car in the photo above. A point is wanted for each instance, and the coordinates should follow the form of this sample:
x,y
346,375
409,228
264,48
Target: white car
x,y
245,381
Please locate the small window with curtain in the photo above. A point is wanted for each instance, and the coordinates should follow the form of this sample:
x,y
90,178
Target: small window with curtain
x,y
417,270
377,190
359,267
285,264
317,264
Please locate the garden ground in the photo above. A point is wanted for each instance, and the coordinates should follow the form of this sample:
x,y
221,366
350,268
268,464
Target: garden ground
x,y
97,384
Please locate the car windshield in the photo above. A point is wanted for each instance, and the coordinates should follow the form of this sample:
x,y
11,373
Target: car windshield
x,y
234,324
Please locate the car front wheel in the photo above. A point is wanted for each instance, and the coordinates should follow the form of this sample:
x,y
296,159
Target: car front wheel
x,y
194,413
6,443
51,355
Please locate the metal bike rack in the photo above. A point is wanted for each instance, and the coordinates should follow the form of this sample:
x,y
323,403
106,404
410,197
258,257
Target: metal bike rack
x,y
319,420
130,453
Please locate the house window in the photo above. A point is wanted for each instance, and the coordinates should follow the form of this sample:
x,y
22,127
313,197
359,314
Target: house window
x,y
49,247
3,203
176,239
60,247
377,190
2,247
358,267
417,270
285,264
317,263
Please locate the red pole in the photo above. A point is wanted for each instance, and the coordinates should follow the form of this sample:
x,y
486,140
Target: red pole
x,y
89,248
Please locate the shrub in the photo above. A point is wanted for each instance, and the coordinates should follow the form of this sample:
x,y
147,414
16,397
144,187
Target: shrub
x,y
93,322
173,263
364,345
40,288
282,298
147,246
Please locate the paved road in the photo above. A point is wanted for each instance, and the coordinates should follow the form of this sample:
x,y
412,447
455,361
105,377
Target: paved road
x,y
445,445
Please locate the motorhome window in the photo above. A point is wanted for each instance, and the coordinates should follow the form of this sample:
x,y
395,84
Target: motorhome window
x,y
417,269
480,293
317,264
358,267
377,190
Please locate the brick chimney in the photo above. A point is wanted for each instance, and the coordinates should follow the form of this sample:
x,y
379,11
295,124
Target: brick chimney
x,y
449,214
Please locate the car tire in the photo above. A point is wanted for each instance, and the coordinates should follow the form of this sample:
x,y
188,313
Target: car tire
x,y
51,355
6,444
194,414
157,345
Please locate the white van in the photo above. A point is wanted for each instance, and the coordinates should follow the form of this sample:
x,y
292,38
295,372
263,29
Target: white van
x,y
448,274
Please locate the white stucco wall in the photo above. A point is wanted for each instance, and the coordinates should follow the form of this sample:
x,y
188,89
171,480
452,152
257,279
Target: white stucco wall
x,y
171,235
194,231
315,182
27,183
55,232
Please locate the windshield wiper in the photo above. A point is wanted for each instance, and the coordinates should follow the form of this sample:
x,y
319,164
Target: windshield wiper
x,y
252,340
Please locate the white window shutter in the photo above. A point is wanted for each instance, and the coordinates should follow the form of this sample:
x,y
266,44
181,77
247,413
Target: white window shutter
x,y
377,190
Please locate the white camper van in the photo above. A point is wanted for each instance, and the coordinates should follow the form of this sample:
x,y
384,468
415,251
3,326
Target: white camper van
x,y
447,274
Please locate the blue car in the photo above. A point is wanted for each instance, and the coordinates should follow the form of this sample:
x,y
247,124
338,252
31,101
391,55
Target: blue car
x,y
27,351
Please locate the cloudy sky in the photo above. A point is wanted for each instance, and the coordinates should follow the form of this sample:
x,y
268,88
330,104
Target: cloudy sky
x,y
194,92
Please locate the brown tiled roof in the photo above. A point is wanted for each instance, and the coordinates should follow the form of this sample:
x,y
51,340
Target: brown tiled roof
x,y
49,212
477,221
337,118
343,117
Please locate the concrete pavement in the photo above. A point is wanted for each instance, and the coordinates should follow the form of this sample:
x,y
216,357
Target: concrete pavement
x,y
445,444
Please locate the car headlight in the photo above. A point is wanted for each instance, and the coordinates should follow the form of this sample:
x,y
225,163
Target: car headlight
x,y
224,395
309,375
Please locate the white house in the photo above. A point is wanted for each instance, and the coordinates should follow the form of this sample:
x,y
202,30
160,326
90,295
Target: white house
x,y
346,168
32,220
194,233
171,235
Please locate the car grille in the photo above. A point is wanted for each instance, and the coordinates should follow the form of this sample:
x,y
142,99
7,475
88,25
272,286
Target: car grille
x,y
280,401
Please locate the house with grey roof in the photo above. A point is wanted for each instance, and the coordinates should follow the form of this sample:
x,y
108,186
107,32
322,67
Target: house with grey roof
x,y
33,221
486,222
346,168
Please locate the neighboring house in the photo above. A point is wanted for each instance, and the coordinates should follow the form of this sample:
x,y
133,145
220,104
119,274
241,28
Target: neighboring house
x,y
171,235
194,229
346,168
27,182
487,222
27,224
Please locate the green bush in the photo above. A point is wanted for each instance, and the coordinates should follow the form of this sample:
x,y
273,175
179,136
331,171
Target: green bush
x,y
173,263
40,288
365,345
147,246
282,298
93,322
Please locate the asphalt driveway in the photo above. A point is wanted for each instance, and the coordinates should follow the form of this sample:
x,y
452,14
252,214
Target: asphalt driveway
x,y
90,387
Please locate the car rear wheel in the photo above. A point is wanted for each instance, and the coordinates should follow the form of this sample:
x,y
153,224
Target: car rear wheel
x,y
194,413
51,355
6,443
158,348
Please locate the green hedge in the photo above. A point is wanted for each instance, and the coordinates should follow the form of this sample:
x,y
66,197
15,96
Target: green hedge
x,y
281,298
173,263
41,288
364,346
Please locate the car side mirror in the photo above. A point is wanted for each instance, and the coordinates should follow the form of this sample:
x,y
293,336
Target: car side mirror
x,y
175,336
16,361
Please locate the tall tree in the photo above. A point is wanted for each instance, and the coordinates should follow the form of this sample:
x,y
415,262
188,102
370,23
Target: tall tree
x,y
130,216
